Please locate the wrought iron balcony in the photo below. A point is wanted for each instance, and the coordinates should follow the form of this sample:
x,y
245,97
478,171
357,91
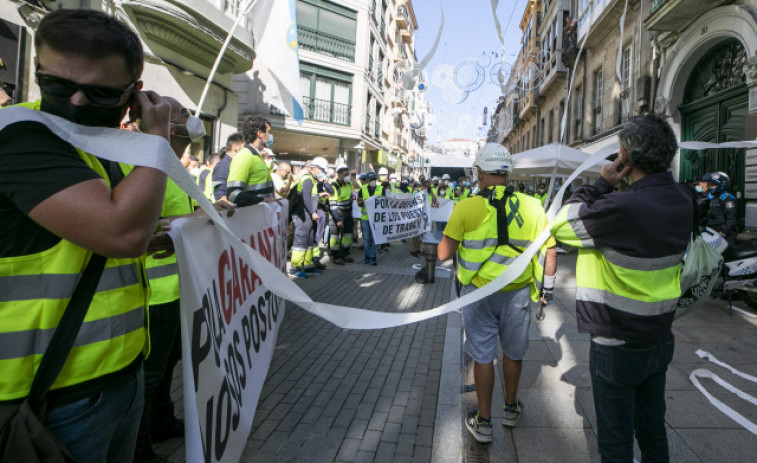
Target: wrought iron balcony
x,y
326,111
327,44
569,45
402,17
673,15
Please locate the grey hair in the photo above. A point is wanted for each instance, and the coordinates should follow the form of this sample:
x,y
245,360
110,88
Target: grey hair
x,y
650,142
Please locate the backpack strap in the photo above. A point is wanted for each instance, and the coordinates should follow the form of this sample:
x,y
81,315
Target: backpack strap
x,y
503,218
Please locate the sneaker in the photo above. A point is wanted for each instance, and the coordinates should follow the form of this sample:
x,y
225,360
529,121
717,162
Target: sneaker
x,y
373,262
298,274
338,261
319,265
481,430
366,261
415,253
512,414
349,259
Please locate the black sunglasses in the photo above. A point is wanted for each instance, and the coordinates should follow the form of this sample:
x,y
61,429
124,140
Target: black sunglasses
x,y
63,88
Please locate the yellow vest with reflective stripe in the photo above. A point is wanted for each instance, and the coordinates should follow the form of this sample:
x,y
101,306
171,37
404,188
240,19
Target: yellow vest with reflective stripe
x,y
34,292
639,286
249,172
163,274
481,260
365,195
342,196
206,183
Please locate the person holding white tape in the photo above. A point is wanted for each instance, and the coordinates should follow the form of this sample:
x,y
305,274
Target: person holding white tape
x,y
488,232
631,244
59,206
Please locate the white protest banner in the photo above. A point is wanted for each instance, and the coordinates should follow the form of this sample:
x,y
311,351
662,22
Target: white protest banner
x,y
395,218
435,218
441,213
229,326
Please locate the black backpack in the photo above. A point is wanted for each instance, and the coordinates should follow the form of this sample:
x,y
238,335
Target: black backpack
x,y
295,202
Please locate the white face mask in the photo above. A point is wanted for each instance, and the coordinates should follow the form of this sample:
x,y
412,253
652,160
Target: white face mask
x,y
346,180
373,183
195,128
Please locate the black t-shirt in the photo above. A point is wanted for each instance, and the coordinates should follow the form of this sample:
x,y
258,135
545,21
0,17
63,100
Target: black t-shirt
x,y
34,165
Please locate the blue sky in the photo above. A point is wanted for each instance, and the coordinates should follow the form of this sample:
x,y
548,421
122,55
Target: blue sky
x,y
469,33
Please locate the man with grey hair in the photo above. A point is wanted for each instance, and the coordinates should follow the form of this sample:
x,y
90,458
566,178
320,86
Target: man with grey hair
x,y
627,285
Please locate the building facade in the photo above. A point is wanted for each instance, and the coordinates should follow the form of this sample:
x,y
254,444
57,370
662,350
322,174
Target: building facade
x,y
693,62
357,109
181,41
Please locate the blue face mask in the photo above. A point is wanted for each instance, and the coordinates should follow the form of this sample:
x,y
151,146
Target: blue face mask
x,y
699,189
269,143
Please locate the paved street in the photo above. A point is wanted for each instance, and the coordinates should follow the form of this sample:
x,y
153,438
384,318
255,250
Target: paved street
x,y
399,394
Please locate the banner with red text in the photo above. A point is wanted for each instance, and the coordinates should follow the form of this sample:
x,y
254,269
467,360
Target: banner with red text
x,y
229,324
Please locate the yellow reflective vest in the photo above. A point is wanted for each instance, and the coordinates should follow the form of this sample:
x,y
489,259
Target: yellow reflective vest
x,y
164,273
205,182
365,195
249,172
481,259
34,292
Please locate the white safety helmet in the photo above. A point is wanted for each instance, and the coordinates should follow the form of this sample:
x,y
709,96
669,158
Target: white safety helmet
x,y
383,171
446,177
320,162
393,177
494,158
434,178
341,167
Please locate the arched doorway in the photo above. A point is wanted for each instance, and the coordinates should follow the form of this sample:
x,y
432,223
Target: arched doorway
x,y
715,107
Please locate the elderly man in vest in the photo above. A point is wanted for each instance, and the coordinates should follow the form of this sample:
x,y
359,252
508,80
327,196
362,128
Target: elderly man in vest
x,y
60,205
488,232
627,284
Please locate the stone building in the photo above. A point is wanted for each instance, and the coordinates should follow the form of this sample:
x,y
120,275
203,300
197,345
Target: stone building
x,y
181,40
357,110
691,61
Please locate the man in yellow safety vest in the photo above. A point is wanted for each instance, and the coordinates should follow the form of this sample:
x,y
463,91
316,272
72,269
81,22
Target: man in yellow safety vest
x,y
59,205
489,232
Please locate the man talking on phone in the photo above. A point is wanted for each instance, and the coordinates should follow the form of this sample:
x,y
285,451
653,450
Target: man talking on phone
x,y
60,205
627,285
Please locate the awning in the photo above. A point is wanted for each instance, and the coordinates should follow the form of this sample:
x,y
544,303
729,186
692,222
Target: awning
x,y
543,160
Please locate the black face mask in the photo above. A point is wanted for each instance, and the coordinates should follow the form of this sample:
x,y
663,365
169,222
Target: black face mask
x,y
93,116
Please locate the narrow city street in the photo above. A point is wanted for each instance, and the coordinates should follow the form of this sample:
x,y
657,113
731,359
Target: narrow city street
x,y
398,395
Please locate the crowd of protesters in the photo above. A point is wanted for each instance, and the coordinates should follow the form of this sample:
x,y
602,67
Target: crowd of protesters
x,y
65,212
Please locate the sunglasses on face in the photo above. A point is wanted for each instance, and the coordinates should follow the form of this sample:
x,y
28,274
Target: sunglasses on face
x,y
98,94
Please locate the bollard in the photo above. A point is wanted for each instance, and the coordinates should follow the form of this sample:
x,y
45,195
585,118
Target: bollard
x,y
430,251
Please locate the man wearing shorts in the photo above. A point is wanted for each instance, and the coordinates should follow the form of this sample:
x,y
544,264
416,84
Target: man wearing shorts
x,y
488,232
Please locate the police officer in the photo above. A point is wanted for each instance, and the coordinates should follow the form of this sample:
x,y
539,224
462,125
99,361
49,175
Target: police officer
x,y
249,181
340,217
721,212
304,218
488,232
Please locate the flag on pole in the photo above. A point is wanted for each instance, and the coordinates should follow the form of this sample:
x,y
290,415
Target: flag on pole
x,y
274,26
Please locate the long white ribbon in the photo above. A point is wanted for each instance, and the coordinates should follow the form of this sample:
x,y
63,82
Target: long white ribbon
x,y
730,412
151,151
